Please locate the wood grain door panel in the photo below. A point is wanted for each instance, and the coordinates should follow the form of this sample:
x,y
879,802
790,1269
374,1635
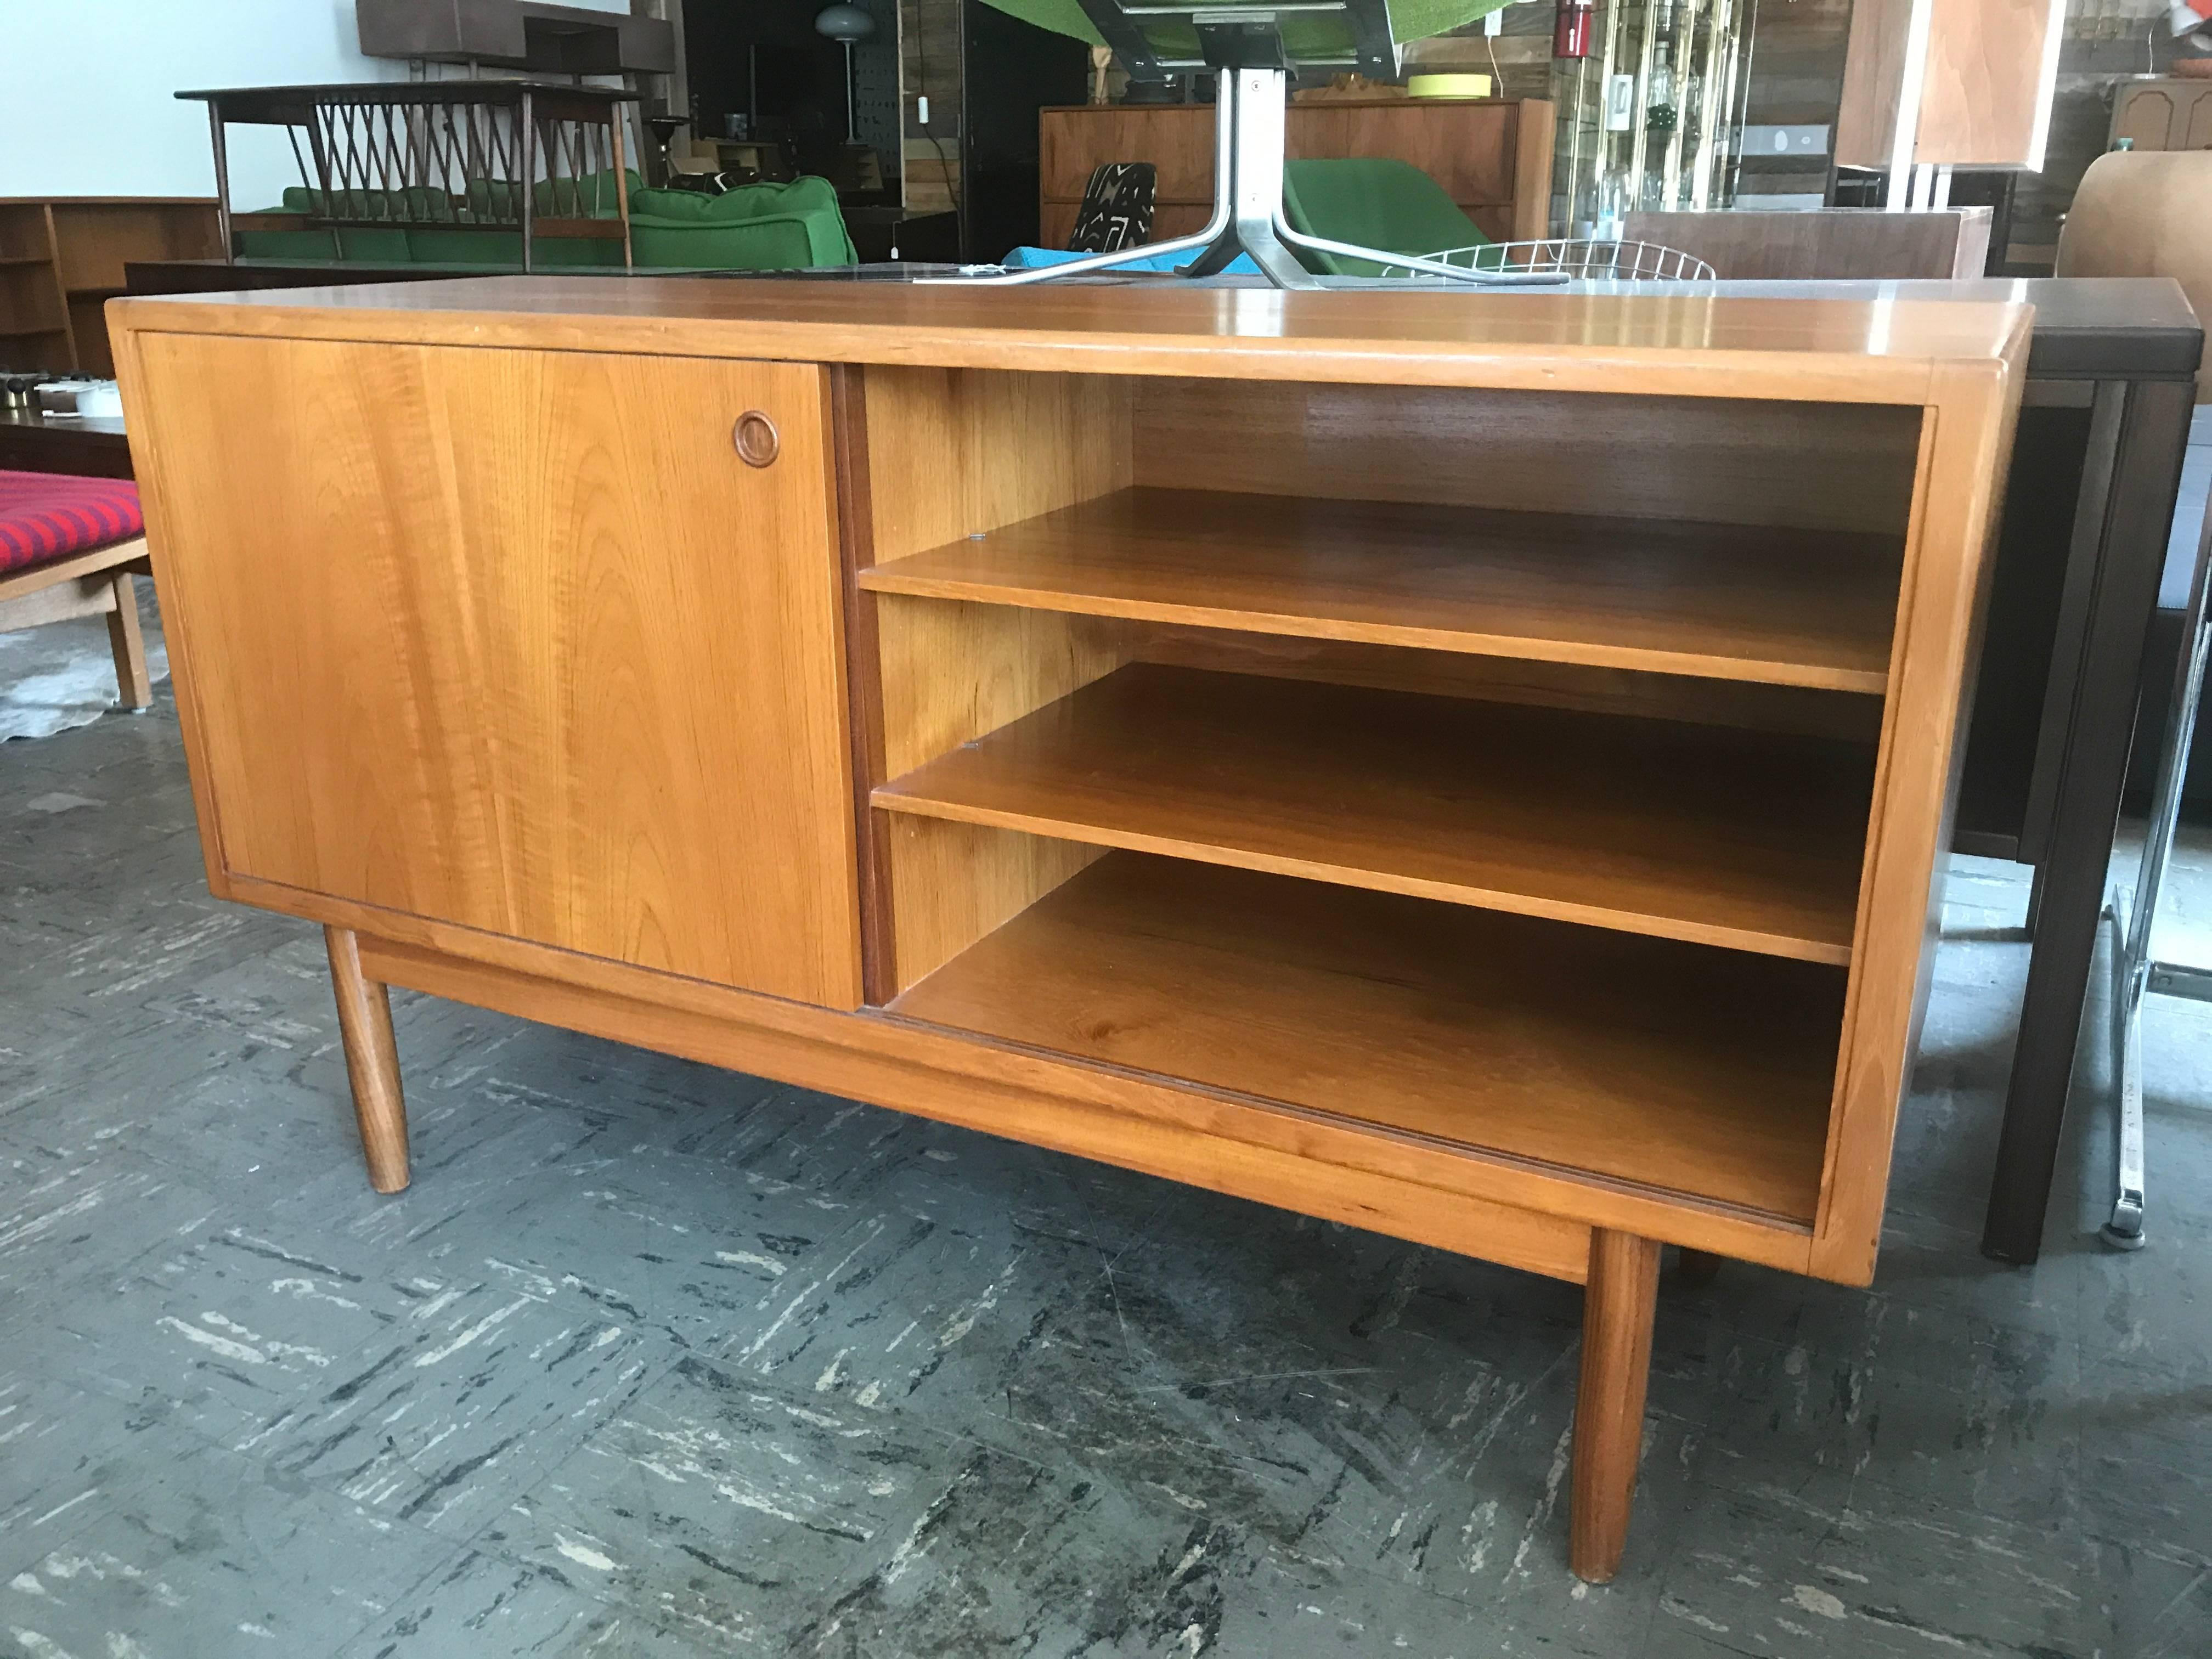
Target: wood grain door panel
x,y
515,640
1471,156
2194,120
1177,139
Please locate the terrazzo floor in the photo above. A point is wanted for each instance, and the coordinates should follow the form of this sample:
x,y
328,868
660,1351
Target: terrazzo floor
x,y
658,1360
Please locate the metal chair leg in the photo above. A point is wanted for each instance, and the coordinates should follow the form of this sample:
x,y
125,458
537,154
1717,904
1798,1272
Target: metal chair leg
x,y
2124,1230
1248,210
2135,972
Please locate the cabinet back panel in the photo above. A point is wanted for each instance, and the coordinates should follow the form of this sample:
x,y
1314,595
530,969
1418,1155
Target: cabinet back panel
x,y
1740,703
1814,467
950,452
954,451
950,673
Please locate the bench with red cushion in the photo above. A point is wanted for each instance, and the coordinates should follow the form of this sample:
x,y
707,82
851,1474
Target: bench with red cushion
x,y
45,516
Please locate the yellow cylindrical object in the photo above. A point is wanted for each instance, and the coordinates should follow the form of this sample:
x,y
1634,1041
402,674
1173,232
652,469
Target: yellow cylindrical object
x,y
1449,86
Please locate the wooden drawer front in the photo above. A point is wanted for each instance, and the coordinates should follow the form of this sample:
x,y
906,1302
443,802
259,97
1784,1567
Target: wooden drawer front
x,y
515,640
2147,115
1177,139
1465,148
1056,224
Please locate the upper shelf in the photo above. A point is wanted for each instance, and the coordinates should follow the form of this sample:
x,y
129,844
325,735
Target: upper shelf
x,y
1790,607
1748,840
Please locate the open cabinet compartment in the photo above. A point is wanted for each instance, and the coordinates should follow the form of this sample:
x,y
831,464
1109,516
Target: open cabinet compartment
x,y
1491,767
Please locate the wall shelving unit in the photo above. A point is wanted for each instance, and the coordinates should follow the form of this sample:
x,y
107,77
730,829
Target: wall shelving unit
x,y
62,259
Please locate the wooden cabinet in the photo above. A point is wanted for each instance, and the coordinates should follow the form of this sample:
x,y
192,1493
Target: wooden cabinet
x,y
1753,244
2163,112
1493,156
517,641
1471,766
62,259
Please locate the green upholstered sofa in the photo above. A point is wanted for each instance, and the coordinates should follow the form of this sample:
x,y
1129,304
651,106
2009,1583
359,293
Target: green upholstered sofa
x,y
1372,202
754,227
766,227
416,236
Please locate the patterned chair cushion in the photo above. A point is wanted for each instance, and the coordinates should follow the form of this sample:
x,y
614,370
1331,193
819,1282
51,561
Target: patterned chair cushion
x,y
1117,208
45,516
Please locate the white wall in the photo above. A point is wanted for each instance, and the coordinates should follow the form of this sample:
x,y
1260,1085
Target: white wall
x,y
85,86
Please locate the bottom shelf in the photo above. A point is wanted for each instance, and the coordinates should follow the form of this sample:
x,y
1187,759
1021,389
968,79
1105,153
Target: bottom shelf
x,y
1680,1068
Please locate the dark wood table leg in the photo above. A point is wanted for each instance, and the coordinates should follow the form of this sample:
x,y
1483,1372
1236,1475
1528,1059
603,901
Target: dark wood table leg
x,y
2136,483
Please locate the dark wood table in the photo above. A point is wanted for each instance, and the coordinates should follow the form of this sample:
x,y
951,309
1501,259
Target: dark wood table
x,y
233,275
82,447
2096,471
2111,385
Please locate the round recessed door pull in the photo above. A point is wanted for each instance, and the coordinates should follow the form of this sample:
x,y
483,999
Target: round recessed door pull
x,y
756,439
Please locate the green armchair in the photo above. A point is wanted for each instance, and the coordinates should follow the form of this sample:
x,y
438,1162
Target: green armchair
x,y
764,227
1372,202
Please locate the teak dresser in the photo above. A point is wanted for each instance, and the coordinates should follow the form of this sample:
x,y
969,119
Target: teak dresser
x,y
1470,766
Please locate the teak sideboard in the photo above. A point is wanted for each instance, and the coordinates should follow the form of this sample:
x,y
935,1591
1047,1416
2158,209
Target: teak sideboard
x,y
1473,767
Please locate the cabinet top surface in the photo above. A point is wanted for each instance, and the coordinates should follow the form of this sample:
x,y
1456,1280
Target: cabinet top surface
x,y
1876,350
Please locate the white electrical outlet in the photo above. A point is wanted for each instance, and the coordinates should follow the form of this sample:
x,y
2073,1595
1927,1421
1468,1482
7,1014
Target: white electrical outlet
x,y
921,111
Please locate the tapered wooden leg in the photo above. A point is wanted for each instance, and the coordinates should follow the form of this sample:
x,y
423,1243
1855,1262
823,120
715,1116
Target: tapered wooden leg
x,y
132,681
1696,1268
1618,1305
372,1062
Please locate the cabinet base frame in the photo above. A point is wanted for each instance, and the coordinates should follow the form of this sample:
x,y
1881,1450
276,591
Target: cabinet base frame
x,y
1515,1212
1619,1270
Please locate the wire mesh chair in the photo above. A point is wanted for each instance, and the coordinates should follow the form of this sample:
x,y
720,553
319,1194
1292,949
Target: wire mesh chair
x,y
1576,259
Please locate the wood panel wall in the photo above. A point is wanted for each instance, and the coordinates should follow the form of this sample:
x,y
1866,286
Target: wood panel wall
x,y
930,66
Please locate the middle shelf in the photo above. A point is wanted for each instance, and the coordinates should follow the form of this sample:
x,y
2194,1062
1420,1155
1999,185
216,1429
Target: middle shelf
x,y
1748,840
1767,603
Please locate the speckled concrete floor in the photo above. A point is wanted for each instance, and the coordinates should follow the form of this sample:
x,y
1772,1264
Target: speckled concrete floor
x,y
658,1360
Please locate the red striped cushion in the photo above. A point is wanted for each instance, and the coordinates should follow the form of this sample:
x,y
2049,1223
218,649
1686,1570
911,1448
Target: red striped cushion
x,y
45,515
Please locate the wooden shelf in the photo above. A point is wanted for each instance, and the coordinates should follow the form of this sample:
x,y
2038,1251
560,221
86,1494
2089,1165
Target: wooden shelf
x,y
1746,840
1790,607
1696,1072
30,333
